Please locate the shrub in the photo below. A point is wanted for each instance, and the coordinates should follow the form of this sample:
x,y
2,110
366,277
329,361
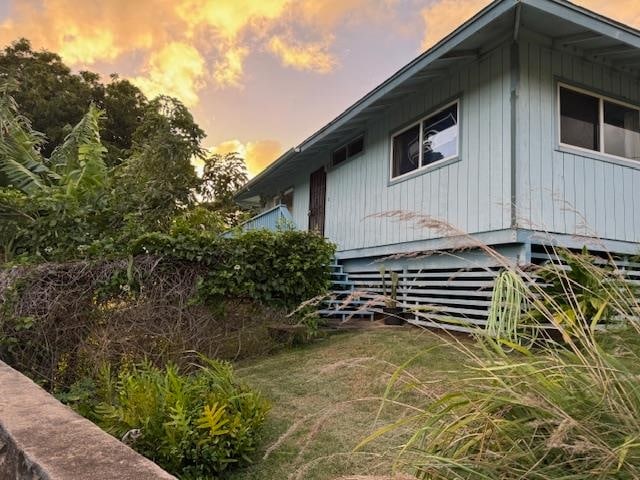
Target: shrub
x,y
194,425
279,268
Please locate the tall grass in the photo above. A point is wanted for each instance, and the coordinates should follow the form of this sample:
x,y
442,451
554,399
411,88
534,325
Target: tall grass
x,y
561,402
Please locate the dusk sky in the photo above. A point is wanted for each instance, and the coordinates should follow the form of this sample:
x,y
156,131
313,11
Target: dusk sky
x,y
259,75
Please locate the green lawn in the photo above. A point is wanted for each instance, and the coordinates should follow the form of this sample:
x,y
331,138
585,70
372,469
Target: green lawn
x,y
325,398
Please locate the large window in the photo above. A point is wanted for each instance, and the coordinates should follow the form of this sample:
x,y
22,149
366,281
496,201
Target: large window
x,y
433,139
593,122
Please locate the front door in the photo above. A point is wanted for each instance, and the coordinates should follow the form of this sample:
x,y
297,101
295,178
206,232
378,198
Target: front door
x,y
317,200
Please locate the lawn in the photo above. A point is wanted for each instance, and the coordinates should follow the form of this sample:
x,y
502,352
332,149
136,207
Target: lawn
x,y
326,396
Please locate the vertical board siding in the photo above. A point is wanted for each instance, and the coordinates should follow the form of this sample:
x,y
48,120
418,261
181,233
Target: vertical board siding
x,y
472,194
565,192
300,209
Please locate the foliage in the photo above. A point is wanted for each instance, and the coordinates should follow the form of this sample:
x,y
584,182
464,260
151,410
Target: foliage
x,y
79,160
589,292
53,98
21,165
71,205
192,292
552,409
163,148
560,413
194,425
50,206
507,305
222,176
280,268
200,219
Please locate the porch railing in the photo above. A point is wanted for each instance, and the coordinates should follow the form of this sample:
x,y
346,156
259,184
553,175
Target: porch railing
x,y
278,217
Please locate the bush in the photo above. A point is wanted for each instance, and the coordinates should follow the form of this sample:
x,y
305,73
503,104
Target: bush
x,y
194,425
279,268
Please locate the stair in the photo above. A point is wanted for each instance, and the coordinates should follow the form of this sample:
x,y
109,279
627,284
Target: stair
x,y
341,304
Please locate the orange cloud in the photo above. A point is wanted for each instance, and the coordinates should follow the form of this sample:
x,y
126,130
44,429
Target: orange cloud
x,y
183,43
86,32
229,70
177,70
228,18
257,155
303,56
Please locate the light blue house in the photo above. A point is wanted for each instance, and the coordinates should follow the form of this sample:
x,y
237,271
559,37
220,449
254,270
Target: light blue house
x,y
521,129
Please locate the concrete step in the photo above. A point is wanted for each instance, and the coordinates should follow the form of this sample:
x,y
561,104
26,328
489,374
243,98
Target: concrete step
x,y
337,275
354,302
345,313
348,283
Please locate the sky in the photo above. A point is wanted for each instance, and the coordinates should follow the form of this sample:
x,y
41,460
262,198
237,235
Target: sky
x,y
259,75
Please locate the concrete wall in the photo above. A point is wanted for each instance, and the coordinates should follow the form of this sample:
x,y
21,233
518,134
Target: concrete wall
x,y
41,439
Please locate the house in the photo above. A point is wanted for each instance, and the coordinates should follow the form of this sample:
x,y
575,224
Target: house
x,y
521,128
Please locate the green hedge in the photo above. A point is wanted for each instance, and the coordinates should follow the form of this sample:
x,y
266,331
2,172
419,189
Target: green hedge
x,y
280,268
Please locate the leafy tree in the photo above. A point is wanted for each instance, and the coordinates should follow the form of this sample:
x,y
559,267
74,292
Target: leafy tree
x,y
54,203
159,179
222,176
53,98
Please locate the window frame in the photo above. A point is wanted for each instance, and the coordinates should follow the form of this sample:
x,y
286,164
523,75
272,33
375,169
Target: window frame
x,y
345,145
601,140
424,168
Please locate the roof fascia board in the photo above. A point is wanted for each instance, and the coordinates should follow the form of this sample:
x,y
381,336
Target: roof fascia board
x,y
587,19
267,171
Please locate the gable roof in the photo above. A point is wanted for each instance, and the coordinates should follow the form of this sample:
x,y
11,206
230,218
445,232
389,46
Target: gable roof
x,y
592,34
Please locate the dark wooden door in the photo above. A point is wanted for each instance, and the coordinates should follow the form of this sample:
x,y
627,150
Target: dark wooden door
x,y
317,200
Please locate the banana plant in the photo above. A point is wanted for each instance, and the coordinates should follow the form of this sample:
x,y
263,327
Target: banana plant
x,y
76,166
21,164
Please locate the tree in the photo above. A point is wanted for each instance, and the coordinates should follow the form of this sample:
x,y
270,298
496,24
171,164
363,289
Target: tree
x,y
159,179
54,99
222,176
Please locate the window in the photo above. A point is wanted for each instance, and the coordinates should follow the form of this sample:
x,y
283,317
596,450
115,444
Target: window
x,y
579,117
429,141
345,152
597,123
621,131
